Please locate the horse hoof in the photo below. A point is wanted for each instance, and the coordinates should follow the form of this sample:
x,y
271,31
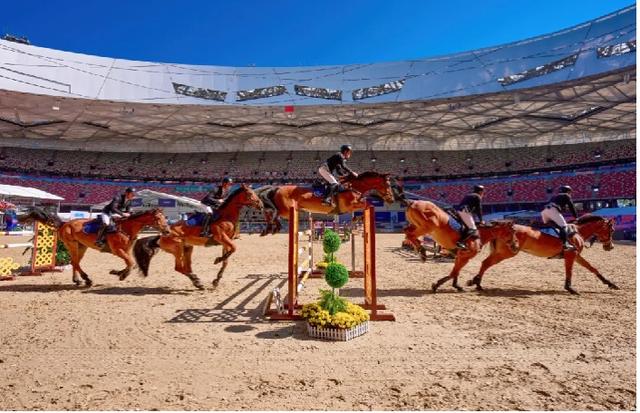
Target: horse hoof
x,y
434,288
88,283
123,277
217,260
613,286
572,291
78,283
457,287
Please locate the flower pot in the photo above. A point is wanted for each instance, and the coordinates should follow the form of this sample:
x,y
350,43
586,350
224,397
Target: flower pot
x,y
337,334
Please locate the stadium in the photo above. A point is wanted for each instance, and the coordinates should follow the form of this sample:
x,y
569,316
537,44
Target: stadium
x,y
521,119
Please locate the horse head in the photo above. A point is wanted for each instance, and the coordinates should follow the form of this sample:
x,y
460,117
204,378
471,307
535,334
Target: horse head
x,y
373,181
250,198
153,218
598,228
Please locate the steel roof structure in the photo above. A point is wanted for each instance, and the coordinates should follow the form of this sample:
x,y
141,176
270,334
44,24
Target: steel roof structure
x,y
575,85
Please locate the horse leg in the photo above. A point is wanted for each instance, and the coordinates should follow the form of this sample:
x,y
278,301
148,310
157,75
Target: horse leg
x,y
497,255
461,261
569,259
74,252
277,225
186,267
268,217
221,271
128,260
412,237
580,260
228,247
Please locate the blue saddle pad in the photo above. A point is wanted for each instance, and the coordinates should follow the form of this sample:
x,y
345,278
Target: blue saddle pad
x,y
92,226
454,224
319,189
197,218
549,231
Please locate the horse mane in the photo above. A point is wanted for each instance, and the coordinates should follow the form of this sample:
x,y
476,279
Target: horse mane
x,y
585,219
231,196
142,212
370,174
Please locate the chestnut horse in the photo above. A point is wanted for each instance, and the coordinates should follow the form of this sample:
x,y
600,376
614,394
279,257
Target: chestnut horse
x,y
540,244
425,217
119,243
183,237
278,199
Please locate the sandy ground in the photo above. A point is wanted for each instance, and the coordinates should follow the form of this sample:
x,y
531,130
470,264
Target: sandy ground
x,y
156,343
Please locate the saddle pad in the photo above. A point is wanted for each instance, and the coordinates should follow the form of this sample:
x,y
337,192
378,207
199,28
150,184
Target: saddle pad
x,y
93,226
454,224
195,219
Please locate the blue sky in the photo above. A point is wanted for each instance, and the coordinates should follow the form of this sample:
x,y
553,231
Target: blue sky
x,y
286,32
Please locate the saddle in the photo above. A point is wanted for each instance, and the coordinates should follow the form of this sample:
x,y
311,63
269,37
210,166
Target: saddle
x,y
93,226
554,231
195,219
320,188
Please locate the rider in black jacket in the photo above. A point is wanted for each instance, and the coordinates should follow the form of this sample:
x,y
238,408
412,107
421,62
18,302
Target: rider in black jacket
x,y
120,205
553,212
471,205
212,201
336,165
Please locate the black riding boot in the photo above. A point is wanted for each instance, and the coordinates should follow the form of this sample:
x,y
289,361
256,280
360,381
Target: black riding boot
x,y
565,243
328,200
102,232
206,224
464,235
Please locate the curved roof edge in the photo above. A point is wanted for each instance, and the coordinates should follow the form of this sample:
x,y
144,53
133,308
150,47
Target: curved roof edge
x,y
598,46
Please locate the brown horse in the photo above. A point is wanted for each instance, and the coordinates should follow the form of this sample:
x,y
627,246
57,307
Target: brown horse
x,y
119,243
278,199
427,218
183,237
540,244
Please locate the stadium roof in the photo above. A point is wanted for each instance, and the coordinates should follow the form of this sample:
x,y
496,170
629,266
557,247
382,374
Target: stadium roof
x,y
15,191
570,86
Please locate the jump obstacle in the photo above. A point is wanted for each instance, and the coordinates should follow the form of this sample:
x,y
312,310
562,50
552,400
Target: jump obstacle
x,y
43,247
299,271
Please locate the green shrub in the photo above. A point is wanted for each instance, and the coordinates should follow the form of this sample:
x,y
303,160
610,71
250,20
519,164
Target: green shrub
x,y
62,254
336,275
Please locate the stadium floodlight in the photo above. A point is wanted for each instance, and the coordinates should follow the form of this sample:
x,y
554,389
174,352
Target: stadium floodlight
x,y
539,70
318,92
260,93
616,49
196,92
383,89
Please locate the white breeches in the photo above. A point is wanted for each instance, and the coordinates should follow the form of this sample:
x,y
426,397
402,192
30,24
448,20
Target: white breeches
x,y
552,214
326,174
468,219
106,219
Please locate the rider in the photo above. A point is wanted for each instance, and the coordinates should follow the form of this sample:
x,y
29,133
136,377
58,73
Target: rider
x,y
119,206
553,212
471,204
212,201
336,165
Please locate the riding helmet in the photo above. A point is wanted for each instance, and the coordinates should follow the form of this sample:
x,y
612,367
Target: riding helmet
x,y
345,148
227,180
565,189
478,188
130,190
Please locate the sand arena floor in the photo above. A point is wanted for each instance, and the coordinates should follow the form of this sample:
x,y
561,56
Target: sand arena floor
x,y
157,343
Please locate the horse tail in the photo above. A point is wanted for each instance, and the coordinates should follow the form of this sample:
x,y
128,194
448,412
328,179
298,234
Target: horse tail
x,y
265,193
41,215
143,250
